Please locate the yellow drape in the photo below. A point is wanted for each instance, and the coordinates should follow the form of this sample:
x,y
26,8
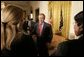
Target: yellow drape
x,y
55,11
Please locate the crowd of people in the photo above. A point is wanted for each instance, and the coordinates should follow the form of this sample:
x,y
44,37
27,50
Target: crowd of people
x,y
16,42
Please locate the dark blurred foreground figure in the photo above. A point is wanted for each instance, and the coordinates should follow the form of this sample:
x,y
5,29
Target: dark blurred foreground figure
x,y
13,41
73,47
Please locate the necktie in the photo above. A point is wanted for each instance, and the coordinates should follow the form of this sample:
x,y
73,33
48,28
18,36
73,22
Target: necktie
x,y
40,29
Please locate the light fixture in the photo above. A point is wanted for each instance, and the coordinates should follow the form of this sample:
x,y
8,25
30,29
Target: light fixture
x,y
31,14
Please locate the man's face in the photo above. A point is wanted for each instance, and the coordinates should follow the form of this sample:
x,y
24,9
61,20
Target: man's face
x,y
76,29
41,18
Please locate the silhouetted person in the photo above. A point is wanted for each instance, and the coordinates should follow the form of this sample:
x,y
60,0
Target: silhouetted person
x,y
73,47
13,41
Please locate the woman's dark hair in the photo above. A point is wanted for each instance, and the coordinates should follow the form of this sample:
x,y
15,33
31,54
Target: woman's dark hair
x,y
79,18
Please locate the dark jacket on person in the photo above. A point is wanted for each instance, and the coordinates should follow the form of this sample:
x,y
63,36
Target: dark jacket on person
x,y
46,37
70,48
23,46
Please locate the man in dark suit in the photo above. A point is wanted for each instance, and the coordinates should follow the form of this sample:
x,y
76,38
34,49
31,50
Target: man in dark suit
x,y
73,47
43,35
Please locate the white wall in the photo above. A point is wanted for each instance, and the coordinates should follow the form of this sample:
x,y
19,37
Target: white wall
x,y
44,9
76,7
35,5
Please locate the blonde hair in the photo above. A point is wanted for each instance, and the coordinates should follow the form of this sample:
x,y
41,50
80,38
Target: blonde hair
x,y
13,16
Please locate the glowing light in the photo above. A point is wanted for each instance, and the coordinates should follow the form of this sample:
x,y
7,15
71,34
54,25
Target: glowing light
x,y
31,16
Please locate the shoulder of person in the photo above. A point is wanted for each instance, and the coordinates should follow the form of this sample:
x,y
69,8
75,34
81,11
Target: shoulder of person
x,y
70,43
76,41
63,43
66,43
47,24
81,38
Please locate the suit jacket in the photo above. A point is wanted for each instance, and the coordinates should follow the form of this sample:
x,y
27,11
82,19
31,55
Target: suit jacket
x,y
70,48
46,34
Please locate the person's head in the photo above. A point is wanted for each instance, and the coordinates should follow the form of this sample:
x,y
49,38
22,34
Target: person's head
x,y
12,13
78,27
41,17
13,17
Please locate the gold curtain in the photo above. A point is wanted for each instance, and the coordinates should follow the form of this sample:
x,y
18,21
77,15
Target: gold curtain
x,y
55,11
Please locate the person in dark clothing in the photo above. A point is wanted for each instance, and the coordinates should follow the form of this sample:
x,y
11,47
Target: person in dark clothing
x,y
10,21
13,41
73,47
28,26
23,47
43,35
